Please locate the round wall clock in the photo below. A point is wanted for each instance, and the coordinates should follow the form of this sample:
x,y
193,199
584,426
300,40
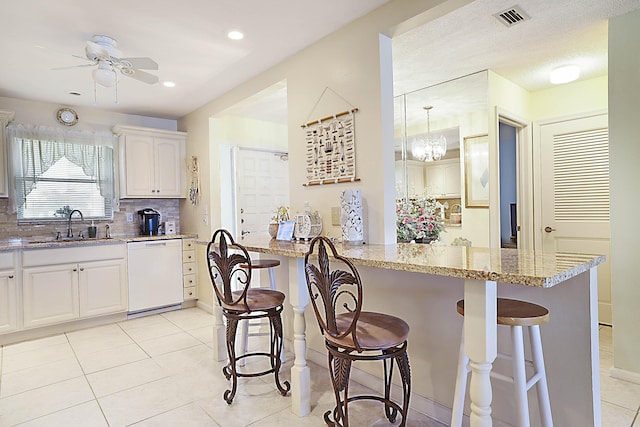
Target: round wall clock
x,y
67,116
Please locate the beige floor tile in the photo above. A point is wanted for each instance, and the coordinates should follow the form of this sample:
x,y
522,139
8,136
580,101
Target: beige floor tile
x,y
186,416
43,375
85,415
203,334
143,322
36,357
44,400
620,392
34,344
94,343
169,343
154,331
287,418
193,359
616,416
97,331
112,357
145,401
126,376
188,319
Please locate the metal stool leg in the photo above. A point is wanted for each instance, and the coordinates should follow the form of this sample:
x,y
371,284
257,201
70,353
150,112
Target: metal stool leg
x,y
461,387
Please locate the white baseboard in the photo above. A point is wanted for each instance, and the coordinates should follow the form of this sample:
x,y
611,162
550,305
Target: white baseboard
x,y
625,375
206,307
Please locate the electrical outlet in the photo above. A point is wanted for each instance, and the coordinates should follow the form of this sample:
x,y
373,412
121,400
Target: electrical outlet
x,y
129,216
335,216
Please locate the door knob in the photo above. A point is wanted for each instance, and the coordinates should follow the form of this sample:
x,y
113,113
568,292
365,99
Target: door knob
x,y
549,229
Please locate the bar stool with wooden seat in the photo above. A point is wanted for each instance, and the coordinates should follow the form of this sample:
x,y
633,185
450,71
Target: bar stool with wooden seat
x,y
352,334
516,314
259,264
224,258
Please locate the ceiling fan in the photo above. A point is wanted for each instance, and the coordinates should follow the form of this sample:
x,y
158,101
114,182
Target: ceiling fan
x,y
101,51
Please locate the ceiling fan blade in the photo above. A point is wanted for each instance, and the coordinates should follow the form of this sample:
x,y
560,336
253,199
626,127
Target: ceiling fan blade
x,y
140,75
140,62
75,66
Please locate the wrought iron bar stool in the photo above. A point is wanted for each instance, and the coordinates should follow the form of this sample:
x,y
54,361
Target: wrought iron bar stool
x,y
224,258
516,314
257,265
352,334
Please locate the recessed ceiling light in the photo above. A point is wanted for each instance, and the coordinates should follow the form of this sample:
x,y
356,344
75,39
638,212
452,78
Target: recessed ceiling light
x,y
74,93
564,74
169,84
235,35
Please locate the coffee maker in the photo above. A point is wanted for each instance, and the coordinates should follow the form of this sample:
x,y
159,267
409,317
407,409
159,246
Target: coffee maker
x,y
149,221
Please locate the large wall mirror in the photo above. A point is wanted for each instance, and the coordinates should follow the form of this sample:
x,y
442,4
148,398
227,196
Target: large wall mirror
x,y
459,109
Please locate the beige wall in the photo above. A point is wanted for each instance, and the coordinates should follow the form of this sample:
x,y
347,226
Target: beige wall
x,y
624,154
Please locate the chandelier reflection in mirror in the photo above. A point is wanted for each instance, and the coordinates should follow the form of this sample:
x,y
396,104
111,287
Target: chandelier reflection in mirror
x,y
429,148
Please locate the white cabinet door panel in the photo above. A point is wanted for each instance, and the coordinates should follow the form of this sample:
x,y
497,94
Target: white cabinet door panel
x,y
168,167
139,155
50,295
102,287
8,318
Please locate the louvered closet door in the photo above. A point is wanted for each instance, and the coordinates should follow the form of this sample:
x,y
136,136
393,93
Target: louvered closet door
x,y
574,181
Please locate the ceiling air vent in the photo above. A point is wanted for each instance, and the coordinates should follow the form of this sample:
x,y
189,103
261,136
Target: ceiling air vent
x,y
512,16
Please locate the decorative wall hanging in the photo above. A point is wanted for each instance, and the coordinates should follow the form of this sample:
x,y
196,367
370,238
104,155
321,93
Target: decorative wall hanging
x,y
330,148
194,171
476,171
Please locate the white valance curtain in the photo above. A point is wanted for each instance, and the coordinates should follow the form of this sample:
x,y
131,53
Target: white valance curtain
x,y
34,149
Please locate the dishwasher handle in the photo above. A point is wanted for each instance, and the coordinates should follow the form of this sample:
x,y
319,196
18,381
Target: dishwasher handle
x,y
156,244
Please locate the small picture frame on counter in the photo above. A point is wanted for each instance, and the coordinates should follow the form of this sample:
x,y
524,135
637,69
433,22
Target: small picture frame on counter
x,y
285,230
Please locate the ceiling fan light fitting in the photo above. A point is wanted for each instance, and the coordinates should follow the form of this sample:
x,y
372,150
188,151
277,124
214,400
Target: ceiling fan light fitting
x,y
105,76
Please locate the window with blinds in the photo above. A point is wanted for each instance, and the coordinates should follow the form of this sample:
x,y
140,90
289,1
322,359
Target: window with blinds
x,y
56,173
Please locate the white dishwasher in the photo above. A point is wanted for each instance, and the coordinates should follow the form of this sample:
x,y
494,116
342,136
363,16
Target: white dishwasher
x,y
155,276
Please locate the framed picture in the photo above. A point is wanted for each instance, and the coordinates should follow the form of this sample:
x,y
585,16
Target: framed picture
x,y
476,171
285,230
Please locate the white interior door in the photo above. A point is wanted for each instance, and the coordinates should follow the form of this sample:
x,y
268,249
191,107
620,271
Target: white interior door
x,y
574,205
262,179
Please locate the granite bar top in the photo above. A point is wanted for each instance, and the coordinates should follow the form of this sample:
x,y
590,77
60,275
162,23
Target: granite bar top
x,y
515,266
26,243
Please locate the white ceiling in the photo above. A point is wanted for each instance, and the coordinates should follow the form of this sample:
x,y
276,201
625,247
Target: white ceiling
x,y
191,46
187,39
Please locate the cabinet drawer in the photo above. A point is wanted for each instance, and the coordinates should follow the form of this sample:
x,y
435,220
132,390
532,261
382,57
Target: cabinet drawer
x,y
190,293
189,268
7,260
189,280
188,256
188,245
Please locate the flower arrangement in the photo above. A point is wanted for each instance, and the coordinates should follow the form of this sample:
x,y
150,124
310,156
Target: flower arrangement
x,y
416,219
281,213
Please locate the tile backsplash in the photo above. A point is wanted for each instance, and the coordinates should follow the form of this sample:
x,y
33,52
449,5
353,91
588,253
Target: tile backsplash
x,y
10,229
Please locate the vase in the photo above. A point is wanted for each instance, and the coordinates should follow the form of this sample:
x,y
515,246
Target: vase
x,y
427,239
273,230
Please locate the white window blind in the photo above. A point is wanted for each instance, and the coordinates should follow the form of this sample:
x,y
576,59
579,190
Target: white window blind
x,y
56,171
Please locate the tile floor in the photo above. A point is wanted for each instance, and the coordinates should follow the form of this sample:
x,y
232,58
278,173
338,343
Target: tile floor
x,y
159,371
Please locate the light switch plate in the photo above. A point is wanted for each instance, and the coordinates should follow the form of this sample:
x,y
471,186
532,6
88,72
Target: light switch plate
x,y
335,216
129,216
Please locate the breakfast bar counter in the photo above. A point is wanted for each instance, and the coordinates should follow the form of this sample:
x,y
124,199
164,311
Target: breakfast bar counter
x,y
565,283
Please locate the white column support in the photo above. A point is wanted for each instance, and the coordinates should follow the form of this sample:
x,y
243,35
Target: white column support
x,y
300,372
480,341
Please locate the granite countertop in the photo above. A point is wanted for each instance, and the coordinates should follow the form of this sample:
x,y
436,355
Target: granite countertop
x,y
38,243
520,267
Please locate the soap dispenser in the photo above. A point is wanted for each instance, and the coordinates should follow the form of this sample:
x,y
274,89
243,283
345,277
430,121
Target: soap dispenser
x,y
92,230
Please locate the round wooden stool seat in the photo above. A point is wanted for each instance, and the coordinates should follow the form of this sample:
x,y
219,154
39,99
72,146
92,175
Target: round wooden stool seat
x,y
262,263
513,312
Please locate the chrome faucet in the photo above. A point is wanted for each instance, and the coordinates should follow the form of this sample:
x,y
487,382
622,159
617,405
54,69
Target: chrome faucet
x,y
69,230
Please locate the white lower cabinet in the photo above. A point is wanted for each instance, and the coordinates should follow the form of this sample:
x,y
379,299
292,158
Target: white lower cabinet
x,y
78,282
50,294
8,316
99,292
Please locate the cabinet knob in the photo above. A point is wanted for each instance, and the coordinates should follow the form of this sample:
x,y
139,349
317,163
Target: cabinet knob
x,y
81,268
75,269
11,276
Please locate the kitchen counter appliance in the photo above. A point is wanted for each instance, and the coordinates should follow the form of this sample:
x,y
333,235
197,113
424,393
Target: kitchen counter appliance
x,y
149,221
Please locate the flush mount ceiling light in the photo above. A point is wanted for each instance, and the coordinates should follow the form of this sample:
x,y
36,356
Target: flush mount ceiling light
x,y
168,84
235,35
429,148
564,74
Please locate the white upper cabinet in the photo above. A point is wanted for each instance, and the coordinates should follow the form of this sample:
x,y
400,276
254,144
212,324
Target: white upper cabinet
x,y
152,162
443,178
